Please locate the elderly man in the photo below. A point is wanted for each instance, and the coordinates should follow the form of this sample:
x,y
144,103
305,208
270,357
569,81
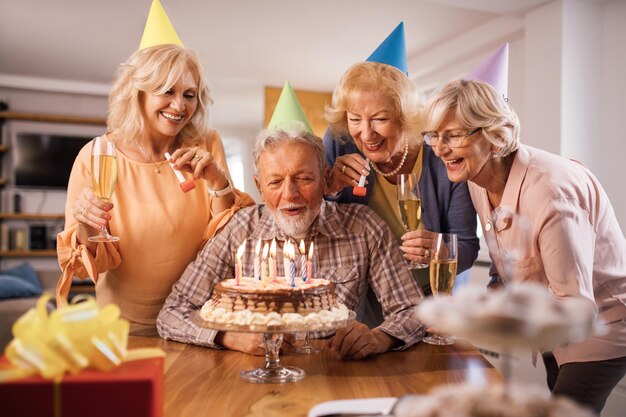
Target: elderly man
x,y
354,248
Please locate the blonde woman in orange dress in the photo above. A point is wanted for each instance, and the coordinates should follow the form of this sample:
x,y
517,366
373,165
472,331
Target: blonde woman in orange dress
x,y
158,103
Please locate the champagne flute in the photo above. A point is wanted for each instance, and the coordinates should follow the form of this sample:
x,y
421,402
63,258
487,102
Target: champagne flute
x,y
306,348
410,206
103,178
443,266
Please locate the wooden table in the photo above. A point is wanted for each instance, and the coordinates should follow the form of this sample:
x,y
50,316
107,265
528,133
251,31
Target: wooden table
x,y
201,381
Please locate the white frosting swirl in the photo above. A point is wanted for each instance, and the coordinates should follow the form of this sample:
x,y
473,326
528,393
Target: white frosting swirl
x,y
322,320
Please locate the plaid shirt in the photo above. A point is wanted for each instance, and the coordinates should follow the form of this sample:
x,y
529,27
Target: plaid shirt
x,y
354,248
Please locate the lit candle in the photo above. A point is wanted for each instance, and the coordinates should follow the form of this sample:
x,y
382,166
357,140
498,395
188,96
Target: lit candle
x,y
266,249
292,265
257,260
272,261
309,265
239,266
286,247
303,260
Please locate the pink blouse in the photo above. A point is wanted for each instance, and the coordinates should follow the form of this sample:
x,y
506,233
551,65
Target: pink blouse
x,y
556,226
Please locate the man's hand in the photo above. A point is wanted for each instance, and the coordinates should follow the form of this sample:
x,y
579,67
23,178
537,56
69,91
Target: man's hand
x,y
358,341
251,343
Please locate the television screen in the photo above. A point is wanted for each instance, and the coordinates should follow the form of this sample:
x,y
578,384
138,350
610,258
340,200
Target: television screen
x,y
44,160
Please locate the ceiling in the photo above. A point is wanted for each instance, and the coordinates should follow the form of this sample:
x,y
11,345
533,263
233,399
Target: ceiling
x,y
241,42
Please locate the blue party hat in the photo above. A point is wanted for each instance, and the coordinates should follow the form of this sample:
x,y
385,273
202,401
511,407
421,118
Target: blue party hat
x,y
392,51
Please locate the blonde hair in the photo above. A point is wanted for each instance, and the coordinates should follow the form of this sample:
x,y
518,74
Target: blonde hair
x,y
374,76
475,104
155,70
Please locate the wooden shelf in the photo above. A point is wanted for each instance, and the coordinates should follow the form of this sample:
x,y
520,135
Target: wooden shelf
x,y
53,118
27,216
43,253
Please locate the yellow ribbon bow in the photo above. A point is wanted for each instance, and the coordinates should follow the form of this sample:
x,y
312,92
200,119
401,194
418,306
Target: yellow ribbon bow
x,y
70,339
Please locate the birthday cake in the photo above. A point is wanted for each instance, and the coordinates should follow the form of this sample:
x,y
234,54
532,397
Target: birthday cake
x,y
252,303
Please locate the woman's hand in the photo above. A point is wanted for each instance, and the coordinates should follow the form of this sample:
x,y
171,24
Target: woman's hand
x,y
91,213
201,164
347,171
358,341
252,343
417,245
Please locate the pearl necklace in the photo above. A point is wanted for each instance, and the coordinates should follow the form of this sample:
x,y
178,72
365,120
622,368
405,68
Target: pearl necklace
x,y
395,171
157,170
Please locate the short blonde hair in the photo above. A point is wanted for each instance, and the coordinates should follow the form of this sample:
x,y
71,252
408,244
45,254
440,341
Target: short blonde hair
x,y
475,104
155,70
374,76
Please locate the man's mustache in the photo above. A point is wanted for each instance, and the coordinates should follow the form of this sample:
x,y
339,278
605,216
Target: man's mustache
x,y
292,207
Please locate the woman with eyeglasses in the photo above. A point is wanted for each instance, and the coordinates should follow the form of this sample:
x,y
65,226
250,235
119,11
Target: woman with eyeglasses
x,y
376,114
560,222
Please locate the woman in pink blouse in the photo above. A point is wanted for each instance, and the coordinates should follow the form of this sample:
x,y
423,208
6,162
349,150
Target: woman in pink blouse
x,y
158,103
559,224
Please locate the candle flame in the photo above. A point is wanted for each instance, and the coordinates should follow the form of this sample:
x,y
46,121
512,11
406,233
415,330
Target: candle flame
x,y
241,249
273,249
292,252
257,248
266,249
302,247
311,251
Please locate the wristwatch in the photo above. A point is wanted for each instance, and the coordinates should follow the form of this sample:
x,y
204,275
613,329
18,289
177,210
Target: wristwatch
x,y
218,193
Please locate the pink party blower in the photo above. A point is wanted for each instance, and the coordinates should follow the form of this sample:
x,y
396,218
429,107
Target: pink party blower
x,y
185,185
360,189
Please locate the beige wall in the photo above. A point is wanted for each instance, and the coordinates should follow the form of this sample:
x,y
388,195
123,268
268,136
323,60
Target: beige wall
x,y
312,102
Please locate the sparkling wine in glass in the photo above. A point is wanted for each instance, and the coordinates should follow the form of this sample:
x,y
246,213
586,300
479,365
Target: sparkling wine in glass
x,y
103,178
443,266
410,206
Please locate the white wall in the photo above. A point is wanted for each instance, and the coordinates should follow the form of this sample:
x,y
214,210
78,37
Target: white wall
x,y
542,78
609,138
575,57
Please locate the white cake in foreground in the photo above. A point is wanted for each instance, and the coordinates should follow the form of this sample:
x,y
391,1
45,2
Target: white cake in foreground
x,y
468,401
519,315
275,304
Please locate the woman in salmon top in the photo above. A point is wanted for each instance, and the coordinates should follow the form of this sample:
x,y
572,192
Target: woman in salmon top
x,y
545,219
158,103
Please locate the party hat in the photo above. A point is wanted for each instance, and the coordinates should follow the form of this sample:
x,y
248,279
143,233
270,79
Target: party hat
x,y
159,29
495,71
288,113
393,50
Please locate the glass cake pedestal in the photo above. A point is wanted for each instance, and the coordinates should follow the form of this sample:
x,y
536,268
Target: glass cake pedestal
x,y
273,372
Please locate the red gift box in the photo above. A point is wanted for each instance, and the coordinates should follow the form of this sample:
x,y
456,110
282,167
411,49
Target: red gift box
x,y
134,388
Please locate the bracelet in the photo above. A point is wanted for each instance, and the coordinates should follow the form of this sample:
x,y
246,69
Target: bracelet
x,y
218,193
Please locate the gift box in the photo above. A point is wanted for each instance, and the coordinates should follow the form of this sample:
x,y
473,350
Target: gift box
x,y
134,388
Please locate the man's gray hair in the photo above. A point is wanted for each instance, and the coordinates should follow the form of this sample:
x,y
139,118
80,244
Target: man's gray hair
x,y
269,138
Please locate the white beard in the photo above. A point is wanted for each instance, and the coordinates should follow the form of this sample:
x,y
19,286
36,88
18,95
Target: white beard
x,y
296,228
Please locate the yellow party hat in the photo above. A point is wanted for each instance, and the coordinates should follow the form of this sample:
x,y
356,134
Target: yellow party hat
x,y
159,30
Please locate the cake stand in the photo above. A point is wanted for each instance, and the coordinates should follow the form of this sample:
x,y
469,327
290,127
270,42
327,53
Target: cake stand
x,y
273,372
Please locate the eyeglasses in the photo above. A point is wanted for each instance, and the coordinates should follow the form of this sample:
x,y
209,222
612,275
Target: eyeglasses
x,y
452,139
